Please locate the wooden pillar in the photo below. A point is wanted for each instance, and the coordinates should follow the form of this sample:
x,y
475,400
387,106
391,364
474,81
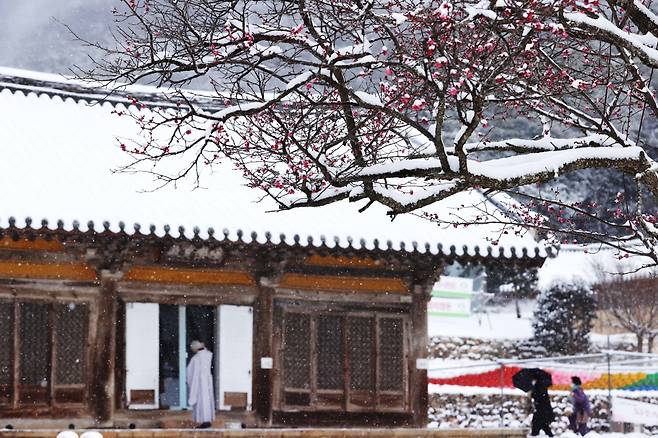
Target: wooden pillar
x,y
419,339
120,356
104,351
263,336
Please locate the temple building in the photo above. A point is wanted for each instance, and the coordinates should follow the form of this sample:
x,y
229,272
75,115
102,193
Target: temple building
x,y
314,316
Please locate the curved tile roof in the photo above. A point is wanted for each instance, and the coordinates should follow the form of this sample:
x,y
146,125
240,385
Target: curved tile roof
x,y
57,155
51,85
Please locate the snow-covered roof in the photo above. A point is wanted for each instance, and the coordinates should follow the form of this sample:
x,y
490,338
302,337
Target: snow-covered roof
x,y
57,153
58,85
591,264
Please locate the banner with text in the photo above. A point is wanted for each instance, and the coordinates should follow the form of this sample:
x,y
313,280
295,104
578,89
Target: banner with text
x,y
451,296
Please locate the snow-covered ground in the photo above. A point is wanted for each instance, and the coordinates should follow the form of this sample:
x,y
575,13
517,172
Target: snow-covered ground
x,y
471,345
484,326
501,323
446,368
606,435
494,323
475,390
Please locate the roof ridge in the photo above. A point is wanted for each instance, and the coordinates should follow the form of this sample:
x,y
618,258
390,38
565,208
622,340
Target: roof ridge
x,y
141,96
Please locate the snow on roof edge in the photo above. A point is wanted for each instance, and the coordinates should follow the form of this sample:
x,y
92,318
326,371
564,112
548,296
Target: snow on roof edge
x,y
50,84
181,232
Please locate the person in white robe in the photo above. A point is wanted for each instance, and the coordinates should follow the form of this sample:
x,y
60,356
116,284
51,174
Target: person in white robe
x,y
200,385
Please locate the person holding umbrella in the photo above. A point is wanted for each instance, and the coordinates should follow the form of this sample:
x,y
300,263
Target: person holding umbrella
x,y
535,382
544,415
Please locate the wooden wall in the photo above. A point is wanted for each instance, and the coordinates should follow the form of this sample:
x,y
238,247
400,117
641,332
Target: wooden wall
x,y
107,274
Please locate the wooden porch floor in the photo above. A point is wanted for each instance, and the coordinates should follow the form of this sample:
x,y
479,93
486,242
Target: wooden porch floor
x,y
283,433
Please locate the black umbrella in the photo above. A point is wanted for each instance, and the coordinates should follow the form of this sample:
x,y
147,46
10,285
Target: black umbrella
x,y
524,378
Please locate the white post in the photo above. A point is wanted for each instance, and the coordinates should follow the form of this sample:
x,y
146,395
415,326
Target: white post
x,y
501,383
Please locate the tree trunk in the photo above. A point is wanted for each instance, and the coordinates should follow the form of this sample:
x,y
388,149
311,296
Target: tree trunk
x,y
650,344
518,308
640,342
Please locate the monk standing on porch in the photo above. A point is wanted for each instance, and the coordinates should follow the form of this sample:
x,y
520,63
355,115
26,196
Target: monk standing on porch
x,y
199,380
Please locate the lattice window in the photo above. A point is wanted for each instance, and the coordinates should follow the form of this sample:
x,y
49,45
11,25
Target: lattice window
x,y
361,344
330,352
391,354
322,353
71,328
297,351
34,353
6,342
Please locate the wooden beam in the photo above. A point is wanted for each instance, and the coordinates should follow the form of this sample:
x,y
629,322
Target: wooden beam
x,y
342,261
48,289
418,349
120,357
158,274
358,284
347,297
15,358
182,294
53,354
39,243
104,351
263,347
65,271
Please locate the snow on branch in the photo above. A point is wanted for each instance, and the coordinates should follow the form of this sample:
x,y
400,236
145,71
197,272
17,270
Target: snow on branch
x,y
528,167
643,45
542,144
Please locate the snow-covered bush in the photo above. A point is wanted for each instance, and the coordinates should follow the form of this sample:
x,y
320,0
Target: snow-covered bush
x,y
459,348
563,318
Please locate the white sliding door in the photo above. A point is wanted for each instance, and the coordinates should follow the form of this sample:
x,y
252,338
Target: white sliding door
x,y
142,355
234,361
